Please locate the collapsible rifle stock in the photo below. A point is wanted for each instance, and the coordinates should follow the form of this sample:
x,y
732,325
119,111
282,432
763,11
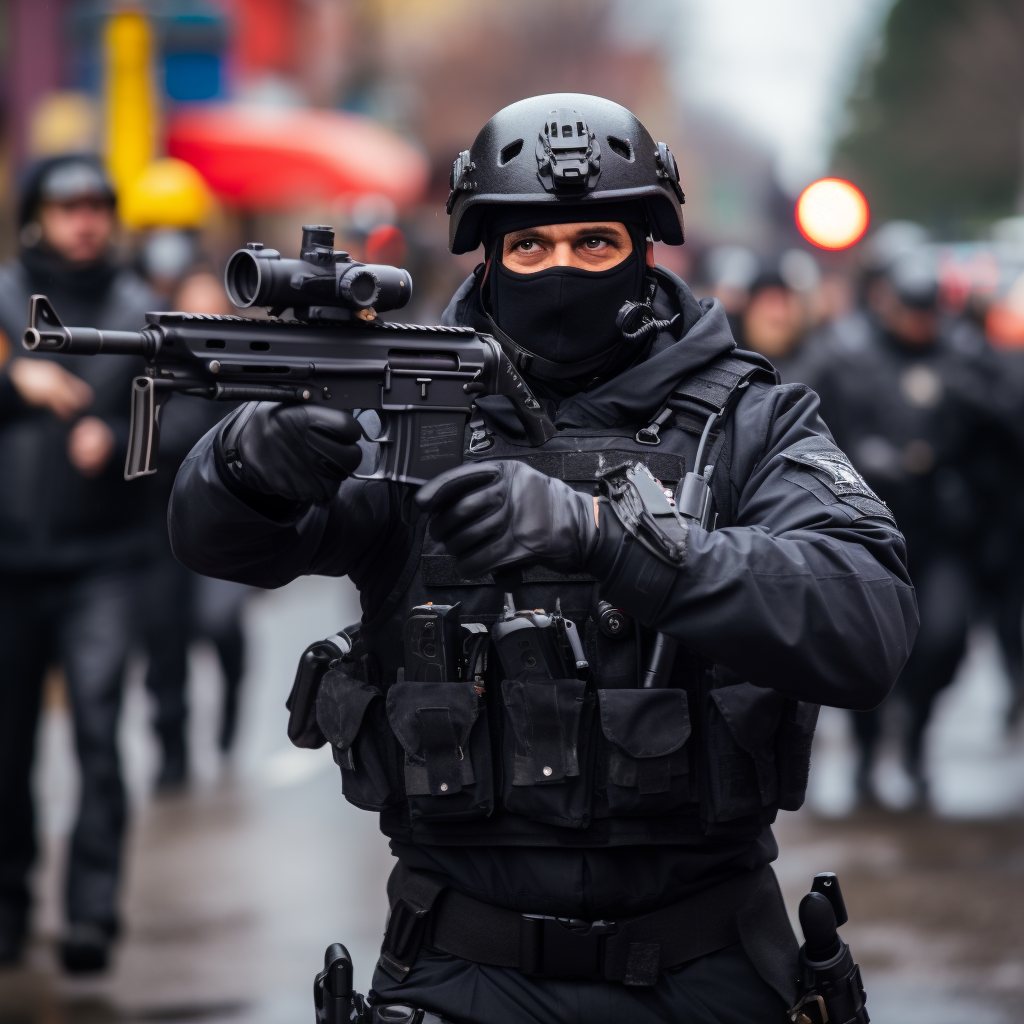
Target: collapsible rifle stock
x,y
420,381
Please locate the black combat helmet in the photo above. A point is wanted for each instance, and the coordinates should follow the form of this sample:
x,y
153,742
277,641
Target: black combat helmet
x,y
563,148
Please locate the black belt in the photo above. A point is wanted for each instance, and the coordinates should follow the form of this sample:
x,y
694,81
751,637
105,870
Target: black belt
x,y
632,951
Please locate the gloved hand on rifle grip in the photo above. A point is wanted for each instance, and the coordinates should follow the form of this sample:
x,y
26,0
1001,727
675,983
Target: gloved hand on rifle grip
x,y
299,453
491,515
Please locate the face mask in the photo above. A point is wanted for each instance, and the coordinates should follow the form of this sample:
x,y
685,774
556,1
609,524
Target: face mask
x,y
564,315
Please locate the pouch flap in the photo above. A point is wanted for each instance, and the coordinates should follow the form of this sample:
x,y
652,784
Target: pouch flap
x,y
645,723
752,714
545,718
341,705
424,714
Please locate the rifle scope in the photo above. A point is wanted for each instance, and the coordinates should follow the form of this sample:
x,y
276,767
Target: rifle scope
x,y
321,278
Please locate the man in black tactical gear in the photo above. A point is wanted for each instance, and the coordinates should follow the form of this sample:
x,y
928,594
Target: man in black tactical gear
x,y
72,535
573,846
913,398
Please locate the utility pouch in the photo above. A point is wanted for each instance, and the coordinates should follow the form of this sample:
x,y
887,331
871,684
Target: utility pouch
x,y
350,713
793,751
547,774
645,765
442,728
303,730
740,725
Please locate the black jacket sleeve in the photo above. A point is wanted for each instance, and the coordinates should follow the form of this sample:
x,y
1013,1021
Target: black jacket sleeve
x,y
362,533
807,592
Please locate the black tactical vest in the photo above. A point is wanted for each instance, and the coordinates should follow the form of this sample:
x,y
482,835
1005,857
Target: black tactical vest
x,y
567,762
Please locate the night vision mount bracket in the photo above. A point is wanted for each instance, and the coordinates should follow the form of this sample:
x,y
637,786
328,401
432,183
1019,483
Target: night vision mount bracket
x,y
568,153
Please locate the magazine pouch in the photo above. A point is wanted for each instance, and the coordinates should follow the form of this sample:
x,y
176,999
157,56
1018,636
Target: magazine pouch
x,y
442,729
645,760
350,714
741,722
547,775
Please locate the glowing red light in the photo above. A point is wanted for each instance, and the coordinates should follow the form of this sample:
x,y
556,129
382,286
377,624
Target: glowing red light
x,y
832,214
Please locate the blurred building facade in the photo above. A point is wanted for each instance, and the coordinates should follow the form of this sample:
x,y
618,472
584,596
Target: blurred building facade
x,y
432,70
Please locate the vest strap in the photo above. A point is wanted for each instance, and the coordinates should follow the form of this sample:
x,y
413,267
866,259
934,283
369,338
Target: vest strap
x,y
713,388
589,467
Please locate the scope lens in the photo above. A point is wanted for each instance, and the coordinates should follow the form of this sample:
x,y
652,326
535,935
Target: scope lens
x,y
362,287
242,278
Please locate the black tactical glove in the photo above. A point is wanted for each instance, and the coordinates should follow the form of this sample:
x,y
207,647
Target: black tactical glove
x,y
491,515
299,453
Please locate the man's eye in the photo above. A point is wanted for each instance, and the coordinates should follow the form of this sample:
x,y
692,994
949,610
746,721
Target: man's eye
x,y
526,246
595,243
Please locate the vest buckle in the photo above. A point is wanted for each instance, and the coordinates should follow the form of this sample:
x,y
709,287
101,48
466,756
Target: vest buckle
x,y
480,441
651,434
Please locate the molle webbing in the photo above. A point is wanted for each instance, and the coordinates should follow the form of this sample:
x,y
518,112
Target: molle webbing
x,y
713,388
584,467
441,571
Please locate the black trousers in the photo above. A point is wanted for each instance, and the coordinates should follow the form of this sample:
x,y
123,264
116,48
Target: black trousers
x,y
720,988
86,623
176,614
1004,597
944,594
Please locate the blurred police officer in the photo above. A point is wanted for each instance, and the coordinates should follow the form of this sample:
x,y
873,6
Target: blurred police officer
x,y
72,536
909,395
642,813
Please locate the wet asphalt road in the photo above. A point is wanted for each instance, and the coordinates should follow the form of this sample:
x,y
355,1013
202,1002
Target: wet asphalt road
x,y
235,888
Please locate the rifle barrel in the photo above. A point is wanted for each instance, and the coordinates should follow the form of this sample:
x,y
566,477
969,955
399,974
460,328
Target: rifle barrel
x,y
88,341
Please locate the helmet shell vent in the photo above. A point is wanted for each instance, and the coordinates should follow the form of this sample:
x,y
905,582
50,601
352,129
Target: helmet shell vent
x,y
621,147
510,152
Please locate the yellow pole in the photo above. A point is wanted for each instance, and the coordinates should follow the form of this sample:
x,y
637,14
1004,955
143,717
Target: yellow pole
x,y
129,101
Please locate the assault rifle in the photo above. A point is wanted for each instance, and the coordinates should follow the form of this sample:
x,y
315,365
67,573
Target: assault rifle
x,y
420,381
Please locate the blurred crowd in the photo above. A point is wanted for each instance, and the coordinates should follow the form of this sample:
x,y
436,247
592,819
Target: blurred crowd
x,y
86,572
914,348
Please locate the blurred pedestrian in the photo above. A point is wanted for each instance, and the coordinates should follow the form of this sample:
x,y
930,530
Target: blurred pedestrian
x,y
73,540
169,205
729,271
907,394
773,323
182,606
1000,563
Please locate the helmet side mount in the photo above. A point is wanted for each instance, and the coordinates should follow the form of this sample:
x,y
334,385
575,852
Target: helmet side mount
x,y
460,181
668,169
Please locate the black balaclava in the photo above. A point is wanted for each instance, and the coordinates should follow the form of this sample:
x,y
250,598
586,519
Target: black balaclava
x,y
562,320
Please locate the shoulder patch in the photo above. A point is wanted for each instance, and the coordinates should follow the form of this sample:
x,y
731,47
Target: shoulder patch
x,y
834,469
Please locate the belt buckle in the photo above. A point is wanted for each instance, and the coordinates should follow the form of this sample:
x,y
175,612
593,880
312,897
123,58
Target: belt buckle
x,y
563,947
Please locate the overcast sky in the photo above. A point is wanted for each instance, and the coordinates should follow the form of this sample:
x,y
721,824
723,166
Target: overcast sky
x,y
781,69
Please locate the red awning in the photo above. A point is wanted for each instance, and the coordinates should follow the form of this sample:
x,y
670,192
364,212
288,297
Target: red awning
x,y
279,158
